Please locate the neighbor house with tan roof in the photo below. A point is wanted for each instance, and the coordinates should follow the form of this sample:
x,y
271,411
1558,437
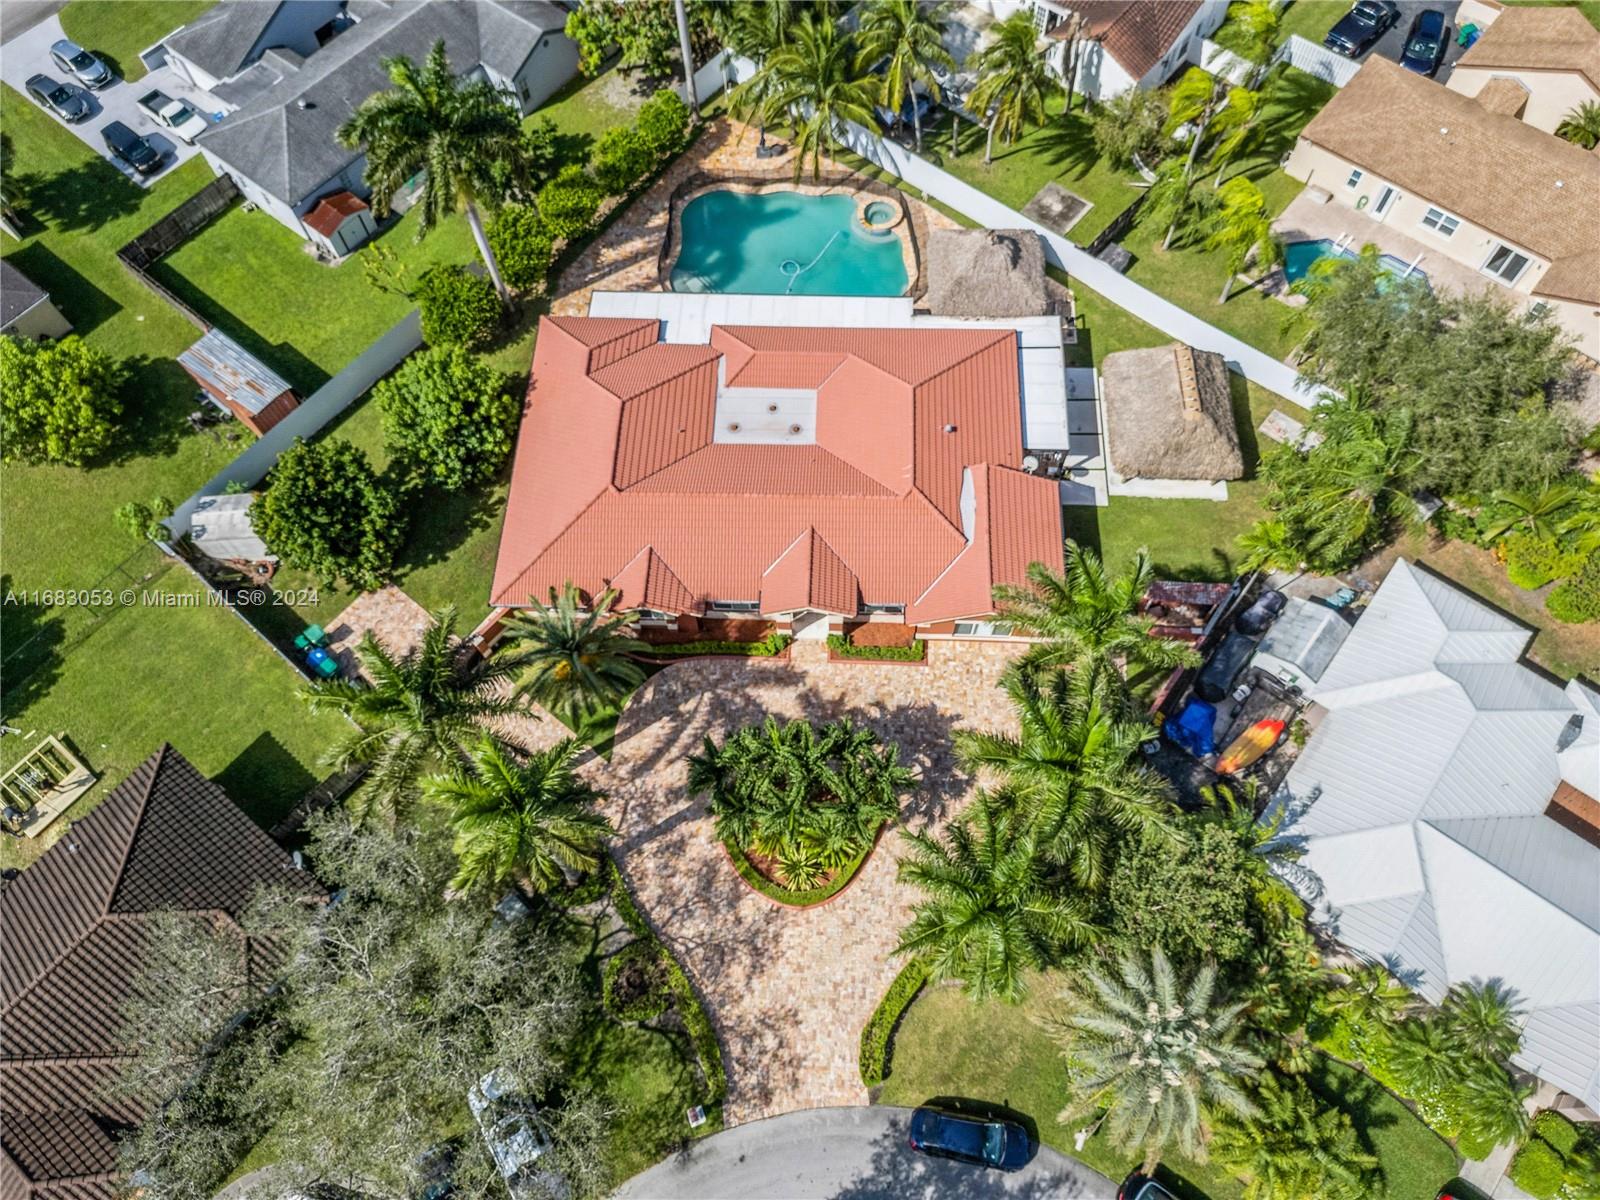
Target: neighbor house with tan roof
x,y
1535,64
1518,206
804,476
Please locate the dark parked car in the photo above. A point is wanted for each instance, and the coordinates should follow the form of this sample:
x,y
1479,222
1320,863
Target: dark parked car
x,y
67,103
1002,1144
1364,24
80,64
1142,1187
1426,43
1217,676
1256,619
132,149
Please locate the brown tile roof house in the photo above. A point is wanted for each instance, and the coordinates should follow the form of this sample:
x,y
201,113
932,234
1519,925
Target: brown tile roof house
x,y
784,468
1538,39
1527,186
1137,33
72,926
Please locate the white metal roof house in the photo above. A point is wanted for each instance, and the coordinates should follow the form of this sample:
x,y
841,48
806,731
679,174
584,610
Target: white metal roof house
x,y
288,73
1447,803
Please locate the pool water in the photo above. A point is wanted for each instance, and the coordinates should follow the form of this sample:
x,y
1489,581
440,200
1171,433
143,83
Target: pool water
x,y
782,243
1300,257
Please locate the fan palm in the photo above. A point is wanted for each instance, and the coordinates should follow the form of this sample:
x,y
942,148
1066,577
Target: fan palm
x,y
811,82
1242,230
453,133
1013,78
1537,512
1483,1020
988,915
1156,1052
519,821
1089,619
1581,125
909,34
1295,1148
423,709
1423,1054
572,658
1074,770
1252,31
1370,996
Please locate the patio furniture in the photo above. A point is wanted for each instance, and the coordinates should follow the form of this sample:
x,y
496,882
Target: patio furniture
x,y
313,635
322,663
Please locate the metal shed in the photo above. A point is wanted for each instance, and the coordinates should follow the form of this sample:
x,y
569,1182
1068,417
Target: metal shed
x,y
221,528
238,381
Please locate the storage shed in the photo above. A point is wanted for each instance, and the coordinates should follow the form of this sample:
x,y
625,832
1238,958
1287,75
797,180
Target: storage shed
x,y
342,220
1301,643
238,381
221,529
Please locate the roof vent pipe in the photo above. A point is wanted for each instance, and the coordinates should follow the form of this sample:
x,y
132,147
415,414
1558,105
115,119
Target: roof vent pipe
x,y
949,428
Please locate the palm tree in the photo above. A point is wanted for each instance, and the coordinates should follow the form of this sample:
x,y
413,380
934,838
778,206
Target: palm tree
x,y
910,35
1173,200
1534,511
1242,230
1252,30
1088,619
1492,1105
1266,546
422,710
1278,856
1370,996
1012,79
757,29
571,658
1237,128
1194,100
1074,768
686,53
1483,1020
814,85
1581,125
1424,1054
519,821
452,132
1296,1147
1155,1052
988,915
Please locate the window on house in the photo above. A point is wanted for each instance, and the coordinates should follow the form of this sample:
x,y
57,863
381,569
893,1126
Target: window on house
x,y
1505,264
733,606
982,629
1440,222
1355,178
895,610
654,616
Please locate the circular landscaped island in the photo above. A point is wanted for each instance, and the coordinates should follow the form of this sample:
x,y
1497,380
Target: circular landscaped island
x,y
800,807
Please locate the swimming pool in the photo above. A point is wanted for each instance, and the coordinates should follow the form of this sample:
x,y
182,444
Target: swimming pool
x,y
1300,257
781,243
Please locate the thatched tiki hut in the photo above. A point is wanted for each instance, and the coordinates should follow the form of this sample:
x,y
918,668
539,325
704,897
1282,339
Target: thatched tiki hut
x,y
986,273
1169,415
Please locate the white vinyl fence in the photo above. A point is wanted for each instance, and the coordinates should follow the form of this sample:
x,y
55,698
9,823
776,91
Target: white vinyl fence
x,y
1317,60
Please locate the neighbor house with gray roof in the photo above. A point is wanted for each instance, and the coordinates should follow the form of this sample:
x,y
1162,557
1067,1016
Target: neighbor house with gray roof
x,y
285,75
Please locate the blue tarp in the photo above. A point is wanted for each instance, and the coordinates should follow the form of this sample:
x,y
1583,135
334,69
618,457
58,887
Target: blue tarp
x,y
1192,727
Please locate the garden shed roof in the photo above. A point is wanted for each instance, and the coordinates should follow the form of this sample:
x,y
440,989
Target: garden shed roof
x,y
221,527
18,293
227,370
1169,414
986,273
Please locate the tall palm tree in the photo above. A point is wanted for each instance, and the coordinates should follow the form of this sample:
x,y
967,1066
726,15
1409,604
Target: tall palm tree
x,y
909,34
423,710
1173,200
1237,128
1089,619
1012,80
1581,125
1252,30
1483,1020
1537,512
1370,996
1242,230
454,132
572,658
988,914
519,821
1074,768
757,29
1156,1052
813,84
1296,1147
1194,101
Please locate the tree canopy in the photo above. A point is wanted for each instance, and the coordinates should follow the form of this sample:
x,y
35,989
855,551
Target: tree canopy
x,y
58,400
450,414
325,510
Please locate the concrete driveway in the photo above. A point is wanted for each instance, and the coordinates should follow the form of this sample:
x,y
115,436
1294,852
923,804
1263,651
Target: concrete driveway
x,y
28,54
848,1154
1393,42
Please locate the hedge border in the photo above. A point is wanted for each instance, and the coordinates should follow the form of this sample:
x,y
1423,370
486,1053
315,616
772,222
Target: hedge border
x,y
839,647
878,1034
769,647
808,898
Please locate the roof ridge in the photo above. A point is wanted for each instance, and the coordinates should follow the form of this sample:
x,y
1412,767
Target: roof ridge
x,y
160,760
1422,862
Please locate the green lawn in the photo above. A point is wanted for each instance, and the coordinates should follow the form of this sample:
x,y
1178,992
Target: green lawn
x,y
997,1055
1312,19
117,30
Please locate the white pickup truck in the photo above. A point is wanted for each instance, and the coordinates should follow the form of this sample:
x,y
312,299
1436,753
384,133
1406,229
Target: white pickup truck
x,y
173,114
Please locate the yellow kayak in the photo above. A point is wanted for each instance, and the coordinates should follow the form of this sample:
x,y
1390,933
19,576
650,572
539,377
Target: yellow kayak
x,y
1249,746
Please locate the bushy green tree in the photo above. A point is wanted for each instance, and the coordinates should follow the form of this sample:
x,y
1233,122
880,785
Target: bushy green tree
x,y
450,414
1576,599
523,245
458,308
645,31
326,511
143,520
569,202
1128,127
663,123
1296,1147
621,158
1192,891
1252,30
58,400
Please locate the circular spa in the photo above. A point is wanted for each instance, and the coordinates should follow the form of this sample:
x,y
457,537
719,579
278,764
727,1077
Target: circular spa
x,y
790,243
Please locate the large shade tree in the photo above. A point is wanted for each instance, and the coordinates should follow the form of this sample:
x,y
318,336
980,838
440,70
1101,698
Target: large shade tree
x,y
1013,78
907,37
451,132
572,657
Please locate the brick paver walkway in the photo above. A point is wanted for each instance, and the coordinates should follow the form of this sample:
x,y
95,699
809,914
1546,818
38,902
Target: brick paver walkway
x,y
789,990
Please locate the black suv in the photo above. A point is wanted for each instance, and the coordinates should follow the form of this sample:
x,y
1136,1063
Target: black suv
x,y
132,149
1363,25
1001,1144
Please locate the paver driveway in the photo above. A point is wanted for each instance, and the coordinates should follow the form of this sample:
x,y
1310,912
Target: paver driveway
x,y
789,990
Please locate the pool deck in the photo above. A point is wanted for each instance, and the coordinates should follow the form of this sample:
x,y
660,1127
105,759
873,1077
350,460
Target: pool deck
x,y
627,256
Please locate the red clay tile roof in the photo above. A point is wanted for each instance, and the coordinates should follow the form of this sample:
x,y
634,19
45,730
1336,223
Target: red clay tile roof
x,y
810,576
647,582
73,927
1137,33
333,211
616,456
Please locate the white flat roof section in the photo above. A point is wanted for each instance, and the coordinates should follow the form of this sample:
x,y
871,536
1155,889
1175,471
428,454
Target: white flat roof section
x,y
689,316
766,417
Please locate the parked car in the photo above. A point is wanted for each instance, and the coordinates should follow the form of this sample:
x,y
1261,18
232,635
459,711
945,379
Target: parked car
x,y
1142,1187
1426,43
1367,21
903,119
1216,677
81,65
515,1134
66,102
174,114
940,1134
1256,619
132,149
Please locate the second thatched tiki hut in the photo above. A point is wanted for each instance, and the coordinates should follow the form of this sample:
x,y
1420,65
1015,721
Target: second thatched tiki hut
x,y
1169,415
986,273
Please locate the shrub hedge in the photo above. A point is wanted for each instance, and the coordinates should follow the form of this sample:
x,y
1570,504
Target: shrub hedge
x,y
653,1001
569,202
916,652
795,898
522,246
879,1030
1552,1127
621,159
1532,562
1577,599
773,643
1538,1170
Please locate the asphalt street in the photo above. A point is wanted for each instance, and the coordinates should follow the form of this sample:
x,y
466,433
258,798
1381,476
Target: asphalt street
x,y
848,1154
